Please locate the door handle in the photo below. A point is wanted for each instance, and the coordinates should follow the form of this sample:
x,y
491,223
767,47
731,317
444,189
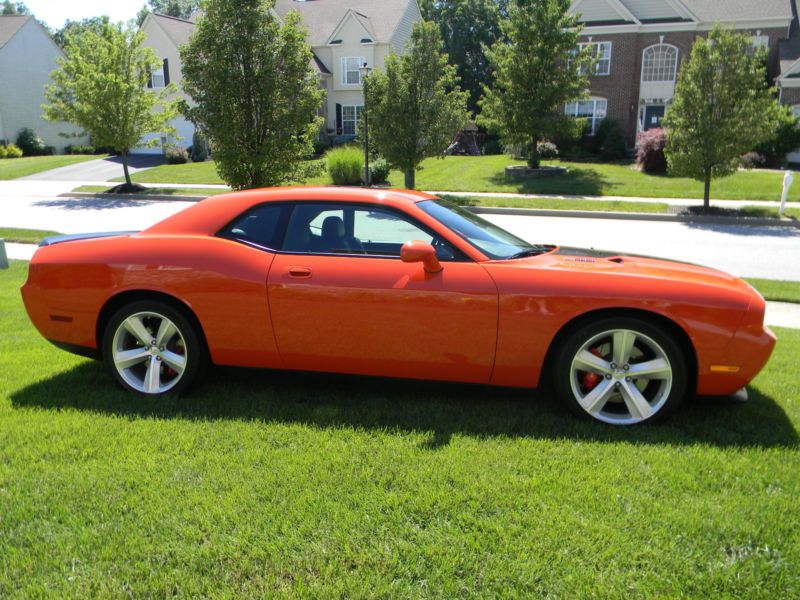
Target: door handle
x,y
301,272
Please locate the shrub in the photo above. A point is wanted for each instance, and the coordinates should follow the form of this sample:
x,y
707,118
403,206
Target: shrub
x,y
492,145
77,149
547,150
786,138
752,160
2,151
345,165
379,170
13,151
30,143
199,149
650,151
176,155
610,143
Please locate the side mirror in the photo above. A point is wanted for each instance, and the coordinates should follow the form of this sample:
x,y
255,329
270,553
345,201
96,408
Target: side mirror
x,y
417,251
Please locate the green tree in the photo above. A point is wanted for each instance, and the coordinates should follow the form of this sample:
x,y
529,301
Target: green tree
x,y
72,28
101,86
256,94
536,73
468,28
722,108
14,8
183,9
415,107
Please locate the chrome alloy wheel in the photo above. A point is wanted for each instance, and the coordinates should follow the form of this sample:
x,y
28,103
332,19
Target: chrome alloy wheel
x,y
621,377
149,352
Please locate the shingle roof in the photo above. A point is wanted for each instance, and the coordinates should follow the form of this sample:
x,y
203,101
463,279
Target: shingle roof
x,y
178,30
709,11
9,26
789,54
321,17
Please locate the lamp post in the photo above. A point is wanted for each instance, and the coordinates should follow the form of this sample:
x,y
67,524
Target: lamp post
x,y
365,70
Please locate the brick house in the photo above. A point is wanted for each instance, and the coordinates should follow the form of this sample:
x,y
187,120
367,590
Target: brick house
x,y
640,45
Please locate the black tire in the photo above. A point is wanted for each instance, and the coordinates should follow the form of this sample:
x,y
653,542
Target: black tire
x,y
663,392
189,346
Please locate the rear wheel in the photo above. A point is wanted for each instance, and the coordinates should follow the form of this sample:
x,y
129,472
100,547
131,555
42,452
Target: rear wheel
x,y
622,371
151,348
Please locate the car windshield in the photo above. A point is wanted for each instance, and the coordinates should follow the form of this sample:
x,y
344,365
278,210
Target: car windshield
x,y
490,239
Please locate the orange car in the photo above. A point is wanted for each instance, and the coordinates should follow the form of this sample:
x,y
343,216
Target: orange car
x,y
397,284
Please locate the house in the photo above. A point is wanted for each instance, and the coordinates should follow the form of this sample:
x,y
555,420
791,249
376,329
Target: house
x,y
343,35
640,44
27,58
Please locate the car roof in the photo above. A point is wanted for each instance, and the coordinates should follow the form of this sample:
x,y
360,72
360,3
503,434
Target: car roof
x,y
210,215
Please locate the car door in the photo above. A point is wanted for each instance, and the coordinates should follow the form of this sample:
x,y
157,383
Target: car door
x,y
341,299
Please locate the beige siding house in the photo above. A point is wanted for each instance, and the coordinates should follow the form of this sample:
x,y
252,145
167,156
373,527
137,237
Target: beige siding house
x,y
27,57
343,35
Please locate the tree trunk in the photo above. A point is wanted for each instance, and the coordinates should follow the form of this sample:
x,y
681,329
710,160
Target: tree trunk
x,y
534,160
410,178
128,181
707,191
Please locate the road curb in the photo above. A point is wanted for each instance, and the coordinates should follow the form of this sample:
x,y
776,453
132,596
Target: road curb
x,y
136,197
629,216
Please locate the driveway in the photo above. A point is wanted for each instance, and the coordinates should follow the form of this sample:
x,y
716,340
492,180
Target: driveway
x,y
102,169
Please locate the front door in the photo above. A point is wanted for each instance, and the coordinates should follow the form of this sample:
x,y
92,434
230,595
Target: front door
x,y
341,299
653,115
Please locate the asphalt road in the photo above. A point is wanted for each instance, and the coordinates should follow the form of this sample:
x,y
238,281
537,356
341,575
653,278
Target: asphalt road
x,y
745,251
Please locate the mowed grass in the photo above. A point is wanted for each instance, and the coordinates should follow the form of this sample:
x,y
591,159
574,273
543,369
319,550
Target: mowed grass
x,y
25,236
273,485
13,168
780,291
485,174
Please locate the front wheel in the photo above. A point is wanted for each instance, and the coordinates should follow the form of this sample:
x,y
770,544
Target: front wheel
x,y
621,371
151,348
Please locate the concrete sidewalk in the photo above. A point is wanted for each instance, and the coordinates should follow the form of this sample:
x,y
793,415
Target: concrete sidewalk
x,y
779,314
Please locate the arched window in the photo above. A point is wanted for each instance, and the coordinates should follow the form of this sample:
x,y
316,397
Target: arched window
x,y
659,63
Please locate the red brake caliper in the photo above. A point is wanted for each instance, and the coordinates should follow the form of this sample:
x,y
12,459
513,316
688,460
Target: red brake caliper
x,y
170,371
590,380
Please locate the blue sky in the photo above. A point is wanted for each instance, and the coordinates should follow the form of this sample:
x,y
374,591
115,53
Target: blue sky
x,y
56,12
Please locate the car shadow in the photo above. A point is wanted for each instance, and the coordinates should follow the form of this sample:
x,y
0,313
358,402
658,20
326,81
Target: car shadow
x,y
577,181
776,231
104,203
438,409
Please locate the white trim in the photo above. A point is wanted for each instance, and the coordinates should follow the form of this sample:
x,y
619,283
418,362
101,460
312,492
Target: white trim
x,y
793,82
680,7
361,60
615,5
674,68
767,23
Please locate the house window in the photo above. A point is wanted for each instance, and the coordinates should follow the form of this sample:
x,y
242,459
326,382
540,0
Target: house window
x,y
350,73
659,63
759,41
157,78
593,110
601,53
351,117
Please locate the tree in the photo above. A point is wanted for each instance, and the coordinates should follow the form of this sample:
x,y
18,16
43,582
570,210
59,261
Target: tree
x,y
468,27
183,9
71,28
722,108
536,73
101,86
414,106
14,8
256,94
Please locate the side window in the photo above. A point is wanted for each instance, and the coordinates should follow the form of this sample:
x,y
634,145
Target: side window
x,y
337,229
260,226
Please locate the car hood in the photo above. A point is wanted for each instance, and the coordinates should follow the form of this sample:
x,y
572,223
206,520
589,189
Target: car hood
x,y
632,265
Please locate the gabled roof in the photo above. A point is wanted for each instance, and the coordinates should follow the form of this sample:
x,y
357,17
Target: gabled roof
x,y
9,26
702,11
323,17
603,11
726,11
790,58
177,30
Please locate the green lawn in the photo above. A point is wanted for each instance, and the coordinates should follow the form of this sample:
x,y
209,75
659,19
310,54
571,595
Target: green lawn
x,y
781,291
13,168
485,174
25,236
276,484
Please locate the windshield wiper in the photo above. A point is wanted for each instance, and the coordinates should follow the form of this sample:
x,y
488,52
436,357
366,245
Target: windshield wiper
x,y
535,251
